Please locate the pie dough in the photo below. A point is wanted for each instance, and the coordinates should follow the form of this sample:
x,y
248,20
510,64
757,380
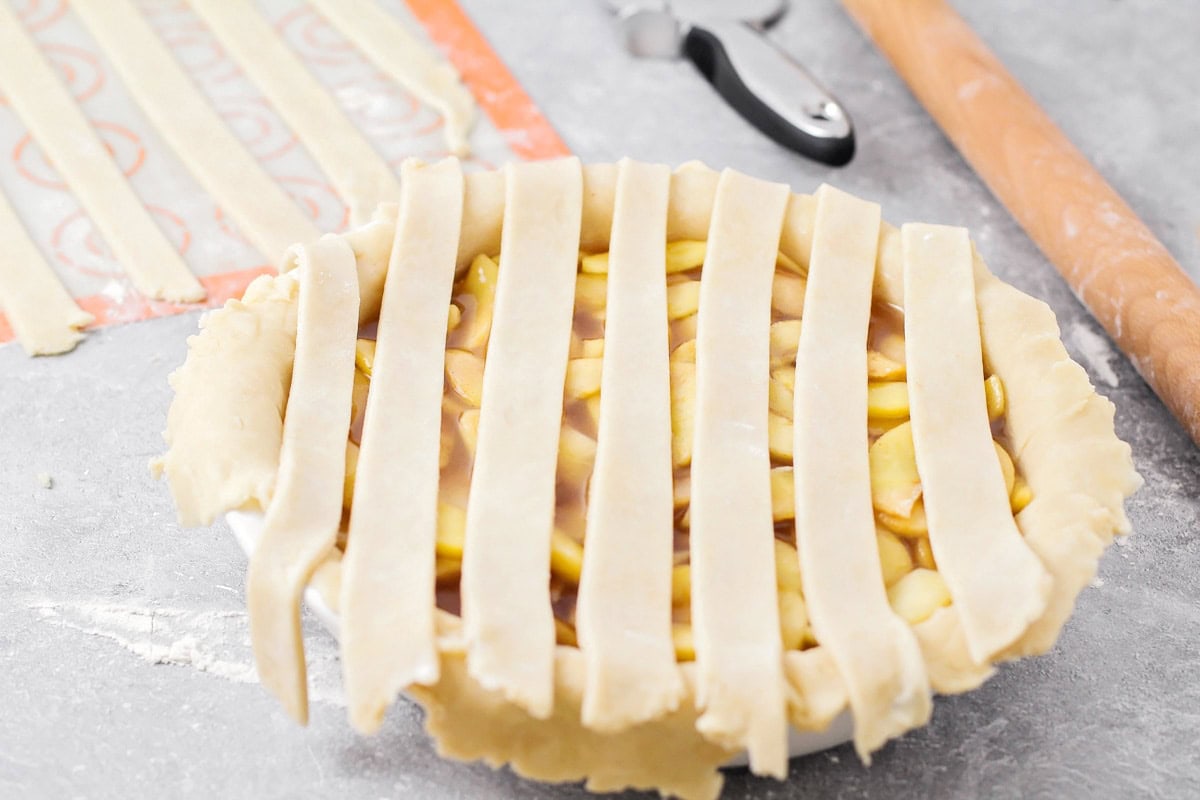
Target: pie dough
x,y
624,607
388,568
301,524
60,128
504,692
270,220
507,620
876,653
998,584
42,314
739,658
358,173
407,61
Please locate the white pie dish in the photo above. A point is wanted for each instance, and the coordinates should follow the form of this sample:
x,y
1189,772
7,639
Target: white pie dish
x,y
247,528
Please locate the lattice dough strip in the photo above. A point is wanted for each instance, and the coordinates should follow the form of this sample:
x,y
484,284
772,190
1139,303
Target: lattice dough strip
x,y
874,650
623,615
270,220
735,616
301,524
506,612
998,584
59,126
388,584
361,176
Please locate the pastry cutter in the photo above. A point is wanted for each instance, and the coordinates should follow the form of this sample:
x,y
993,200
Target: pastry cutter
x,y
726,40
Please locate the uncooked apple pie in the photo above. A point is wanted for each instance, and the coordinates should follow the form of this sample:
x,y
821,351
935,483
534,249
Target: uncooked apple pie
x,y
620,471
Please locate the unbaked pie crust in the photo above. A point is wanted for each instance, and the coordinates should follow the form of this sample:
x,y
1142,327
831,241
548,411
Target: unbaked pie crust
x,y
625,707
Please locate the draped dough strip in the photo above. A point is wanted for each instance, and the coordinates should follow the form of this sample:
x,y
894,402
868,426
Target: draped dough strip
x,y
623,615
409,62
263,211
998,584
388,578
301,524
358,173
735,613
875,651
42,314
506,610
60,128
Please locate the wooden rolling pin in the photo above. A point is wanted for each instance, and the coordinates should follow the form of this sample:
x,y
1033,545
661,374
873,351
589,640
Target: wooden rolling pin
x,y
1112,261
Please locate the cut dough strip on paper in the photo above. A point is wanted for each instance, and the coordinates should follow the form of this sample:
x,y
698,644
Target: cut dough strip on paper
x,y
58,125
998,584
735,615
388,580
42,314
358,173
623,615
301,525
408,61
506,610
875,651
263,212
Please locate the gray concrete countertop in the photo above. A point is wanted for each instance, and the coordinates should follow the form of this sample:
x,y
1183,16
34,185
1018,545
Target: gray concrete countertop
x,y
124,664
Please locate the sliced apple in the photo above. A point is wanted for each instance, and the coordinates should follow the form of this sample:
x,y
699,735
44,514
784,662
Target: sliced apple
x,y
887,400
480,284
785,340
683,412
882,368
895,484
583,377
451,531
779,438
780,399
793,620
893,556
783,493
786,376
591,292
566,557
683,299
592,348
685,645
785,262
787,568
594,264
923,551
351,473
913,526
684,255
997,401
917,595
364,356
465,373
787,294
468,429
685,352
1006,468
576,455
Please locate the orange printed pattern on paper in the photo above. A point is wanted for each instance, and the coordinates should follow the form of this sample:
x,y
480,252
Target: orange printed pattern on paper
x,y
397,124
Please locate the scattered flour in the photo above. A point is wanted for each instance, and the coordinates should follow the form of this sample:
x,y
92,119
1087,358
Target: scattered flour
x,y
1097,353
213,642
45,480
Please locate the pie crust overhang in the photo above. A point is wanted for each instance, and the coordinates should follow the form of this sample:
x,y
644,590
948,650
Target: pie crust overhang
x,y
618,710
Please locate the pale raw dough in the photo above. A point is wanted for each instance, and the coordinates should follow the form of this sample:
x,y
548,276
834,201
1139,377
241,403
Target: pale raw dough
x,y
60,128
263,211
388,580
1069,521
301,525
998,585
735,613
623,614
359,174
42,314
390,46
506,610
225,427
876,652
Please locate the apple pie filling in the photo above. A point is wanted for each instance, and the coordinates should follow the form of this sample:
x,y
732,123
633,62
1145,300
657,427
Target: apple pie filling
x,y
914,587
